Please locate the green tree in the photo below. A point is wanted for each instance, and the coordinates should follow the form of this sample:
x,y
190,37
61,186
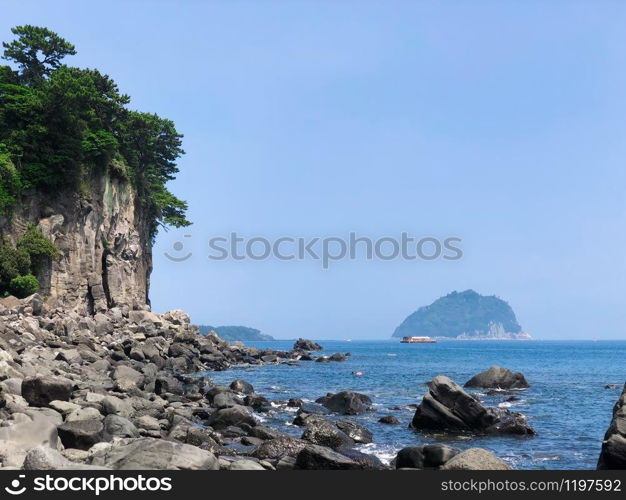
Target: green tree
x,y
13,263
39,248
38,51
59,123
9,181
151,146
23,286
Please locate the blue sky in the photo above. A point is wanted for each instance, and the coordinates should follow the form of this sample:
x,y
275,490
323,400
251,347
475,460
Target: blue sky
x,y
502,123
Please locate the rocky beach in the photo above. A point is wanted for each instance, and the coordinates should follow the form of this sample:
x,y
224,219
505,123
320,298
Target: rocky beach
x,y
131,389
118,390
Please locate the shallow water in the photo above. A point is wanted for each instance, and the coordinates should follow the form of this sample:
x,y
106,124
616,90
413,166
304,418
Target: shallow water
x,y
566,403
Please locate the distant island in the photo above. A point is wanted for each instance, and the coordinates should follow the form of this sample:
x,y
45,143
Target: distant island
x,y
464,315
233,333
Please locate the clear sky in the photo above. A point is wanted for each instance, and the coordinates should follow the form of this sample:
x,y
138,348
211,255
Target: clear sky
x,y
503,123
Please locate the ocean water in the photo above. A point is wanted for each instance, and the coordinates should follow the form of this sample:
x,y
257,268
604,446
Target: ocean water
x,y
567,403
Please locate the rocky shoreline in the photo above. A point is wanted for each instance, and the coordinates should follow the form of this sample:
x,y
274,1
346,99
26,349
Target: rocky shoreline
x,y
123,389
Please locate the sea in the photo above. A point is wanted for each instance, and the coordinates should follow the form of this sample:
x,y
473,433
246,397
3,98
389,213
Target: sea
x,y
567,402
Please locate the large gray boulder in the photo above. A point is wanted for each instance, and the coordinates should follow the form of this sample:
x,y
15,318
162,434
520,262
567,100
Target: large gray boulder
x,y
154,454
475,459
613,453
116,426
314,457
447,407
232,416
325,433
279,447
347,403
497,377
40,391
81,434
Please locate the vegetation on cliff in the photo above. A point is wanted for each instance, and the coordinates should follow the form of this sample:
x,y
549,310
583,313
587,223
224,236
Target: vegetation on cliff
x,y
20,263
60,124
461,313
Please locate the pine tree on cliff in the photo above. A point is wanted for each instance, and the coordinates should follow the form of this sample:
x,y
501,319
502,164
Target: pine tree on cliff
x,y
59,123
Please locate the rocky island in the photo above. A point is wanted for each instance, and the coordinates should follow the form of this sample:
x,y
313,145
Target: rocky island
x,y
464,315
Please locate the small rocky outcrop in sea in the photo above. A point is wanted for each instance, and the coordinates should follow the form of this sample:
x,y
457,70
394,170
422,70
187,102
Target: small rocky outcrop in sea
x,y
447,407
497,377
306,345
613,454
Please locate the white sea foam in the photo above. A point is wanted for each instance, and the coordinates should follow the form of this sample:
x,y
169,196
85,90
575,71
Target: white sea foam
x,y
384,452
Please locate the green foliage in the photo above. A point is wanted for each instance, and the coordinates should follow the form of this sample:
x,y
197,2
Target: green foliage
x,y
37,51
39,248
23,286
59,123
31,255
457,313
13,263
9,182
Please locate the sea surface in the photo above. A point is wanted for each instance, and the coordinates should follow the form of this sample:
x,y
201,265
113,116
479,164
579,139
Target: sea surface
x,y
566,403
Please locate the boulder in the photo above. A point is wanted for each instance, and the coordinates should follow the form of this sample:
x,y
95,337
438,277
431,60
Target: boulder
x,y
226,400
40,391
337,357
314,457
325,433
475,459
81,434
389,419
116,426
127,378
235,416
613,453
347,403
424,457
497,377
154,454
242,386
45,458
193,435
447,407
279,447
86,413
245,465
357,432
258,402
306,345
112,405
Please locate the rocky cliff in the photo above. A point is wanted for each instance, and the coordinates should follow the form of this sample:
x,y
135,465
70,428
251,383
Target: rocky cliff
x,y
103,241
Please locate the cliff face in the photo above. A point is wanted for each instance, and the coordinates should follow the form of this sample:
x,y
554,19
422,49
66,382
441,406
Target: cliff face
x,y
103,240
